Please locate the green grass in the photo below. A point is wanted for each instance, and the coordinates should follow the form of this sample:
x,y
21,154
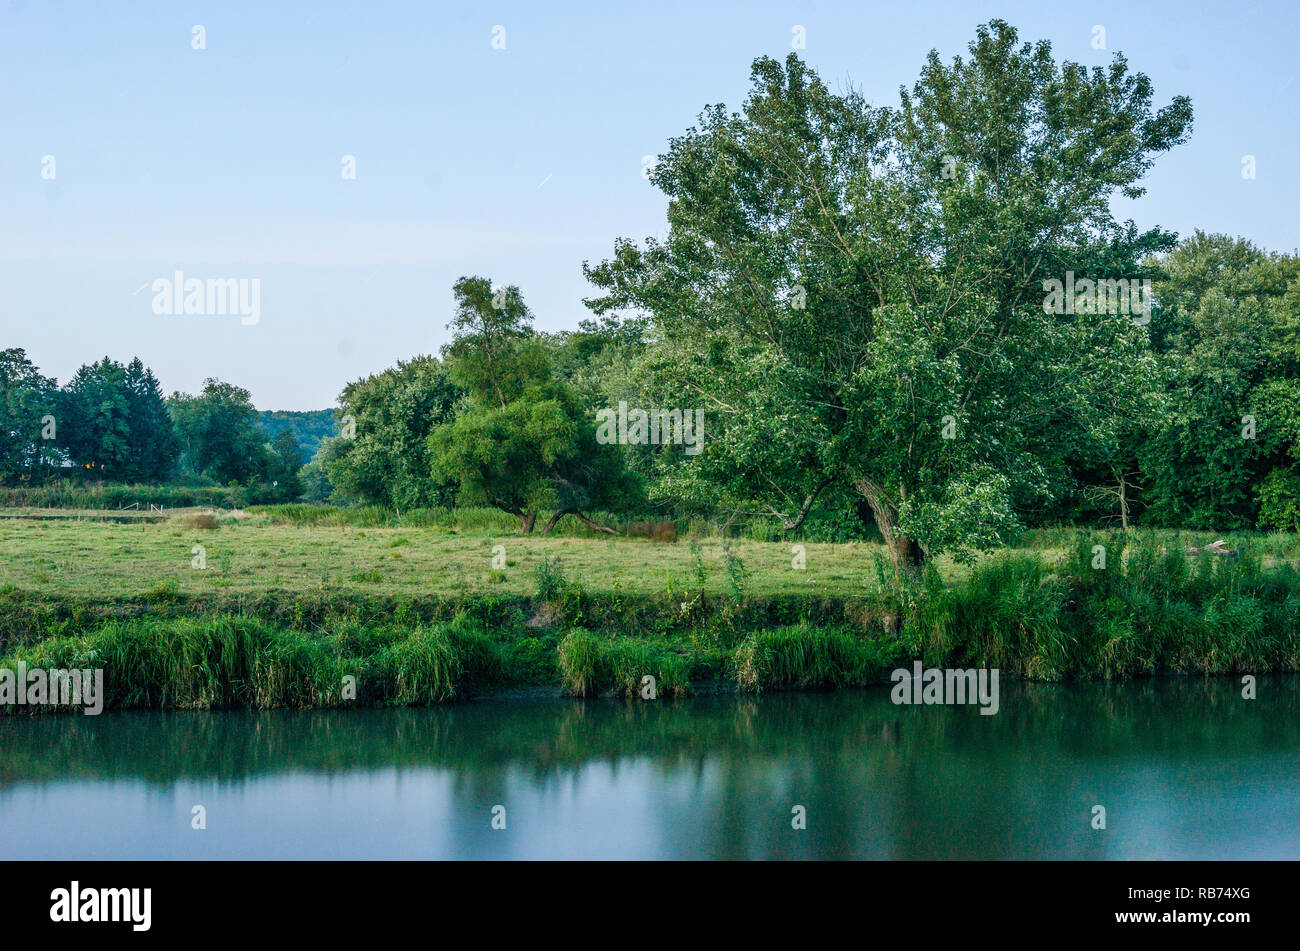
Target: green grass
x,y
70,494
807,656
257,553
592,664
286,610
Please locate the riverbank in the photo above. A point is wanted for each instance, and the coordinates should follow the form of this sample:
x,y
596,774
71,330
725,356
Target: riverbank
x,y
1142,609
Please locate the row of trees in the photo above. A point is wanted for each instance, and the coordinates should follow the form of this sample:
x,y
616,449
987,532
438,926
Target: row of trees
x,y
111,421
1194,424
856,296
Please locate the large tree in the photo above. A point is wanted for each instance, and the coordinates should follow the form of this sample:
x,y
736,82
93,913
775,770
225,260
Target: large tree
x,y
524,443
219,433
114,421
856,294
381,456
28,407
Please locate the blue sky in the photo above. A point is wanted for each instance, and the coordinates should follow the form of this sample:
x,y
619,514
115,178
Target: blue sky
x,y
516,164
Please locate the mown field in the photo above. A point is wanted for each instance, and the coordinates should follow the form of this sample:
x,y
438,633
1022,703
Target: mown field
x,y
84,556
109,554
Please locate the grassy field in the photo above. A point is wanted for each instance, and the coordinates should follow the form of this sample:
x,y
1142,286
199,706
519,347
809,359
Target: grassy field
x,y
288,605
94,555
87,557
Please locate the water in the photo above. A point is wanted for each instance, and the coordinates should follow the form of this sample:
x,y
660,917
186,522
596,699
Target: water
x,y
1185,768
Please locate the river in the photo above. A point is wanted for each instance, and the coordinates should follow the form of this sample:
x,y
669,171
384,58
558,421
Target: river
x,y
1185,768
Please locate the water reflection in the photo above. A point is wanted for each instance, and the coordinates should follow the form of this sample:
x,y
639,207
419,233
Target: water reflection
x,y
1185,769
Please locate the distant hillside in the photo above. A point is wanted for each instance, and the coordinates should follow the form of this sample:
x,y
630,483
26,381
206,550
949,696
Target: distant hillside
x,y
309,426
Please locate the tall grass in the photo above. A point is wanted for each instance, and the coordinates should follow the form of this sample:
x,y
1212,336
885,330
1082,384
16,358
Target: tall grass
x,y
819,527
1146,608
225,662
67,493
591,664
806,656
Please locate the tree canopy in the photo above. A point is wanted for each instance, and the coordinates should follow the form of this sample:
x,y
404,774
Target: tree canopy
x,y
855,293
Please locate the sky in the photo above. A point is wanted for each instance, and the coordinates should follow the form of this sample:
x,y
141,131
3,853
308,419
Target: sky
x,y
127,154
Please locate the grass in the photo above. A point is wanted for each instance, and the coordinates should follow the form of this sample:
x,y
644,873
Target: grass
x,y
75,494
807,656
1151,610
286,610
591,664
257,552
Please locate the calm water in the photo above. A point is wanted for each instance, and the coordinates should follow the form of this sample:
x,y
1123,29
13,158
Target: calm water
x,y
1184,768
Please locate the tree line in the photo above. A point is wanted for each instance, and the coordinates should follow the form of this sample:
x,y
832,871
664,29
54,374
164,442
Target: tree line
x,y
111,422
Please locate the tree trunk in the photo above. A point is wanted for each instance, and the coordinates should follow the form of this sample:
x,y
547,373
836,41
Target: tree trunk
x,y
592,525
906,552
526,521
580,517
1123,503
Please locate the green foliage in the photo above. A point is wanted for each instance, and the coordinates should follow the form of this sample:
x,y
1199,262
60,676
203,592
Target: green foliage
x,y
832,297
114,423
493,353
310,428
115,496
198,664
1149,610
590,664
1279,500
551,582
1006,614
386,460
219,434
580,658
285,459
524,444
26,398
1226,328
431,664
737,574
805,656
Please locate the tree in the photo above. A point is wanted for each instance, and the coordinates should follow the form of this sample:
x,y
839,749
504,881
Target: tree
x,y
1226,327
382,454
28,406
114,421
856,295
523,444
493,351
219,434
309,427
282,469
537,453
95,413
152,444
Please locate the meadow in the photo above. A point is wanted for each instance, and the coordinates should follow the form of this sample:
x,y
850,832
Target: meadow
x,y
282,606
